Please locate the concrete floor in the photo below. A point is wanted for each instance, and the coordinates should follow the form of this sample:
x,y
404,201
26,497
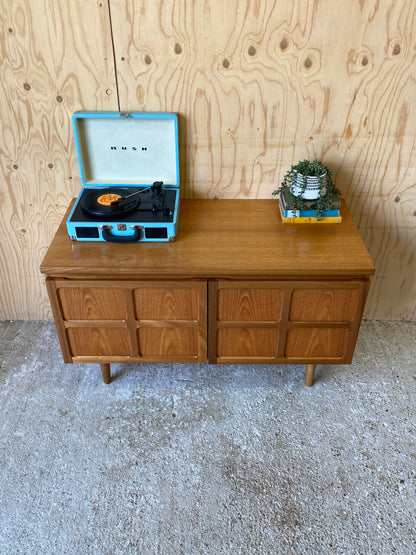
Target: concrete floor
x,y
190,459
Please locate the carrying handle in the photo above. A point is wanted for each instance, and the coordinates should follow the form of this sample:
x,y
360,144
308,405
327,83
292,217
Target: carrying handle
x,y
121,238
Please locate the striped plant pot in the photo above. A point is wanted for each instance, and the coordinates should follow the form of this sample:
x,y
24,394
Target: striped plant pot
x,y
313,186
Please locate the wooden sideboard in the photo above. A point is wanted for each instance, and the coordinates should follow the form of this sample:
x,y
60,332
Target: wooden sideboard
x,y
236,287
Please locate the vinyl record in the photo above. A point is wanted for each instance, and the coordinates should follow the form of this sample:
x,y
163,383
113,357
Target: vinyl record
x,y
99,202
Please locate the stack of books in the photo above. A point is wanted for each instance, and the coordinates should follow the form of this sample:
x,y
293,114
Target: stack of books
x,y
308,215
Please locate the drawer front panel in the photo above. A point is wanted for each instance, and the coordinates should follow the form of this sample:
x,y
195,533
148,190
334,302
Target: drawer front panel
x,y
92,303
249,304
168,342
91,341
324,305
247,343
166,303
318,343
139,320
285,321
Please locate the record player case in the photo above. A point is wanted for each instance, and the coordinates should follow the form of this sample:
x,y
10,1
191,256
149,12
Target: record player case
x,y
129,167
236,287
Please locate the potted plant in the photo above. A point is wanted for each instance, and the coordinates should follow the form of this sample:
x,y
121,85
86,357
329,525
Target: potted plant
x,y
310,181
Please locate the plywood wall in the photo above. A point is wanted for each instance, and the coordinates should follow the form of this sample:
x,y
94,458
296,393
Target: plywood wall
x,y
55,58
258,85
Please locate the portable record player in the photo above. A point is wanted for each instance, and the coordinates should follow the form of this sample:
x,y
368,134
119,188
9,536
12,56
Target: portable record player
x,y
129,164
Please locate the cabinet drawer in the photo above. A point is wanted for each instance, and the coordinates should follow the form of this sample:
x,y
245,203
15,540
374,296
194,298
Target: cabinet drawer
x,y
284,321
131,320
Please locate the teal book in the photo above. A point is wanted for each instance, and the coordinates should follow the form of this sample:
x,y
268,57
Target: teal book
x,y
310,207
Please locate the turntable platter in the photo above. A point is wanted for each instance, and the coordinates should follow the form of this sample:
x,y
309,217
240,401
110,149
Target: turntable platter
x,y
103,202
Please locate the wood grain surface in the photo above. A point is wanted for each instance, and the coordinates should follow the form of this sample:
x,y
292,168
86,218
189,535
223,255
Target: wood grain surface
x,y
56,58
212,243
260,85
257,85
151,321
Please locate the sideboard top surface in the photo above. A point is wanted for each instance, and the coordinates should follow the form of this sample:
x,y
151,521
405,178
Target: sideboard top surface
x,y
221,238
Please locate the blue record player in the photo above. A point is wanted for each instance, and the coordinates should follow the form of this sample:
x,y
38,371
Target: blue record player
x,y
129,164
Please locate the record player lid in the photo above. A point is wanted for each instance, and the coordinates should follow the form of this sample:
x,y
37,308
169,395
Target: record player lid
x,y
119,148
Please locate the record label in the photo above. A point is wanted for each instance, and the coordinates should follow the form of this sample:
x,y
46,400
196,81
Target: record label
x,y
107,199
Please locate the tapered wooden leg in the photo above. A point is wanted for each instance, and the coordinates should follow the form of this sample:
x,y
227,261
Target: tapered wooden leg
x,y
106,372
310,371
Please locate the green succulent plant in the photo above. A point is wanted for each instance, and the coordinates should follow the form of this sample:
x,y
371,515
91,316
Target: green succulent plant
x,y
327,190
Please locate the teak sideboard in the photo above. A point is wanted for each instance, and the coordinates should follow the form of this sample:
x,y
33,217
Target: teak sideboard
x,y
236,287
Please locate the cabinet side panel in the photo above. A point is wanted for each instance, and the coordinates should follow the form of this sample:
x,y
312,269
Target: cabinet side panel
x,y
51,286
